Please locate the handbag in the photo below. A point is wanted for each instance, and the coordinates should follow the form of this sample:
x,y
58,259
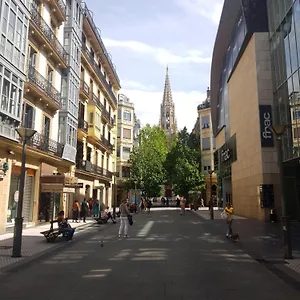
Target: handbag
x,y
130,220
223,215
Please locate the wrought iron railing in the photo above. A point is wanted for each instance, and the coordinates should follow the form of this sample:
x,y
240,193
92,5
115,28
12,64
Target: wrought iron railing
x,y
96,68
107,143
44,85
89,17
96,100
82,124
112,121
87,166
84,87
48,33
44,143
105,113
62,6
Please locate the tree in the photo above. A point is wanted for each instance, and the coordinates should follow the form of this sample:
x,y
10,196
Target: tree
x,y
182,166
147,160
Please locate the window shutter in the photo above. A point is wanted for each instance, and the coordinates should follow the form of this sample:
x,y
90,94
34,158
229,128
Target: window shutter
x,y
33,119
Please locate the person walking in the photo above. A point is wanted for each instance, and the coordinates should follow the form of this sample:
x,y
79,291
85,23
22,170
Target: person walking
x,y
84,210
75,211
124,213
229,219
182,206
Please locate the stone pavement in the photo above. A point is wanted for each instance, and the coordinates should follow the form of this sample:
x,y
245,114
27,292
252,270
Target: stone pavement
x,y
260,239
33,242
167,256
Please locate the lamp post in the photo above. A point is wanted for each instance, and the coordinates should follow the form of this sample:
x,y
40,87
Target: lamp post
x,y
278,130
25,134
211,205
135,182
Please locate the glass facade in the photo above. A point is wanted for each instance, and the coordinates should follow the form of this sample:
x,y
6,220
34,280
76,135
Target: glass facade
x,y
284,23
238,37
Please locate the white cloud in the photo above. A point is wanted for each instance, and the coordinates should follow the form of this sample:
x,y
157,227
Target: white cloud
x,y
147,106
209,9
161,55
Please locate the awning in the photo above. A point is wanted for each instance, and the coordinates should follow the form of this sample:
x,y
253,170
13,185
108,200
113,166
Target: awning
x,y
56,188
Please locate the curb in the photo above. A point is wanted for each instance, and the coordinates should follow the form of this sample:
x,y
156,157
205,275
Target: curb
x,y
26,261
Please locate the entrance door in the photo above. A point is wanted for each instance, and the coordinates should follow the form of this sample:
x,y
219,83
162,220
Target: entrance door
x,y
27,200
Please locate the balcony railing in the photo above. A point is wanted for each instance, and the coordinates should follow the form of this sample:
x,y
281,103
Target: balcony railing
x,y
84,87
49,34
107,143
85,165
44,143
44,85
89,17
112,121
62,6
105,113
82,124
99,73
96,100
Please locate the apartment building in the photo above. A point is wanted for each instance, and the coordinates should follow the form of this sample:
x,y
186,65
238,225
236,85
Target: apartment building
x,y
207,146
46,62
99,85
127,137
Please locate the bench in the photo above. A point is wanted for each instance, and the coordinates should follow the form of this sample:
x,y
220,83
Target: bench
x,y
53,233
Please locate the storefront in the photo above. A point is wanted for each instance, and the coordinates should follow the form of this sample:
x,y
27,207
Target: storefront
x,y
28,195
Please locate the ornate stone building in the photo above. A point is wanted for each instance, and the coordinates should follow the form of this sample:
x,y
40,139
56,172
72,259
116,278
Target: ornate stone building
x,y
167,110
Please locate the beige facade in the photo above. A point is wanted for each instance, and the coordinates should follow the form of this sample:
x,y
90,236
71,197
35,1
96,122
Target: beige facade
x,y
127,132
249,86
96,140
207,144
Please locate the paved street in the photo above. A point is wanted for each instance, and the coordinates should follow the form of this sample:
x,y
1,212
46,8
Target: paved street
x,y
167,256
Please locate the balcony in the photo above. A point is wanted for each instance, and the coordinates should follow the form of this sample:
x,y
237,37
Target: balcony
x,y
84,90
45,144
90,61
44,36
90,28
107,143
58,9
83,125
87,166
39,88
105,114
96,101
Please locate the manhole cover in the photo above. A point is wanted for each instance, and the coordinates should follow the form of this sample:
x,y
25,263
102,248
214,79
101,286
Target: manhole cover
x,y
5,247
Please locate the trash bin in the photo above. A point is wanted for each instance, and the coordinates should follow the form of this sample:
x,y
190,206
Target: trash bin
x,y
273,216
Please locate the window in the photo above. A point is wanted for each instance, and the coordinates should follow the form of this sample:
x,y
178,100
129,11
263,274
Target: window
x,y
9,50
119,114
5,95
4,18
127,115
18,34
11,25
297,114
205,122
126,153
91,118
214,142
28,116
296,133
118,151
13,99
119,133
126,133
206,143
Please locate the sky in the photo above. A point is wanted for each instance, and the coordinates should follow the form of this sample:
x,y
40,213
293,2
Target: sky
x,y
144,36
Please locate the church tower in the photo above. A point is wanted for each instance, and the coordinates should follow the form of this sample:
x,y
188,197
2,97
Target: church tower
x,y
167,110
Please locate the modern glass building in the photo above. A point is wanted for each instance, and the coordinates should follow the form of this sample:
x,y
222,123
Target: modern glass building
x,y
284,24
241,110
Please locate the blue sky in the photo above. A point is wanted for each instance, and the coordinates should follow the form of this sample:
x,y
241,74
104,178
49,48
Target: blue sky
x,y
143,36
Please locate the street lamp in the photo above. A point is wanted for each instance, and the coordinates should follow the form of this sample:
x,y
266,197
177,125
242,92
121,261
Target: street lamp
x,y
135,182
25,134
279,130
211,205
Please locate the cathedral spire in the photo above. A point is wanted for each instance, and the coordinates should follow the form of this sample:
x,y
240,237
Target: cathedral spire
x,y
167,109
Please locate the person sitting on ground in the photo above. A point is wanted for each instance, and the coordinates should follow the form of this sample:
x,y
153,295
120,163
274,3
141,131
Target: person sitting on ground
x,y
64,226
108,215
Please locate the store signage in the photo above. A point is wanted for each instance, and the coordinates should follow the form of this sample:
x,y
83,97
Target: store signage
x,y
265,117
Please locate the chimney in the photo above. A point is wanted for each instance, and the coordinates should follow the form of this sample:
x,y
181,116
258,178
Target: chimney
x,y
208,92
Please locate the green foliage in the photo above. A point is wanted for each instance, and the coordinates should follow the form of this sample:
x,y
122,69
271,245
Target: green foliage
x,y
183,164
148,158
